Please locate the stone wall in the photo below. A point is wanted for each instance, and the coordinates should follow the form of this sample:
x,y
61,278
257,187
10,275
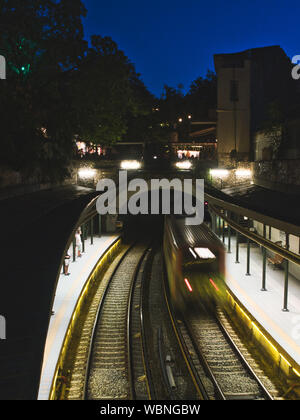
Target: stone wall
x,y
13,183
279,175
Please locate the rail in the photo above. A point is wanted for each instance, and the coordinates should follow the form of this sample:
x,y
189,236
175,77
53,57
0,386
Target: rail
x,y
285,253
254,215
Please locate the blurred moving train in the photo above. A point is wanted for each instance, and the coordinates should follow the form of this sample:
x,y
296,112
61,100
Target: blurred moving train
x,y
195,264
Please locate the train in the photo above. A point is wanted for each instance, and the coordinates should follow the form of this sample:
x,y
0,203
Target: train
x,y
195,264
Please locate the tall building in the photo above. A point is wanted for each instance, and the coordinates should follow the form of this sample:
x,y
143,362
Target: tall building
x,y
248,82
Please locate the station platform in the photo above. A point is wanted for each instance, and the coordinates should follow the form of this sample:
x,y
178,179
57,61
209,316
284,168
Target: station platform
x,y
67,292
266,306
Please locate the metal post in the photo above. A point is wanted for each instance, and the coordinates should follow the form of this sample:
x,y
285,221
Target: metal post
x,y
286,278
223,231
83,238
286,286
74,250
92,231
263,287
248,257
264,267
229,240
237,247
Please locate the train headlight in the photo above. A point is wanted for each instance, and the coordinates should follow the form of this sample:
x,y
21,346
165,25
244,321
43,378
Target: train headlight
x,y
204,253
130,165
186,165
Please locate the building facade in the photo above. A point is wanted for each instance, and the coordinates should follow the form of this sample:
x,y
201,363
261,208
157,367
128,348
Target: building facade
x,y
248,83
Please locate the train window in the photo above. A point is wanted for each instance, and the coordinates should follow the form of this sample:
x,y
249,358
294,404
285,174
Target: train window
x,y
204,253
193,253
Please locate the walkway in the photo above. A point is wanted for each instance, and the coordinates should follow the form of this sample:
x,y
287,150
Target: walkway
x,y
67,293
266,306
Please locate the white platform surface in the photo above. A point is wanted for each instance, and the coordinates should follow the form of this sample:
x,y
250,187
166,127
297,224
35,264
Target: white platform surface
x,y
266,306
67,293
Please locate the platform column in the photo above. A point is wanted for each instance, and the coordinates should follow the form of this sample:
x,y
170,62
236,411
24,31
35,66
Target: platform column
x,y
248,257
223,231
219,226
237,247
286,277
229,240
74,250
264,268
83,238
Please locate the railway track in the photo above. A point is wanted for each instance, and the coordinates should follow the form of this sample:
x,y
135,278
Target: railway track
x,y
117,368
218,369
232,376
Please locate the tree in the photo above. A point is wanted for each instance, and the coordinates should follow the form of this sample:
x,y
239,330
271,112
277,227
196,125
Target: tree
x,y
42,42
103,92
202,95
59,86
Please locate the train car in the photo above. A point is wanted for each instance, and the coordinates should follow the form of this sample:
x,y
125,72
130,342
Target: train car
x,y
194,259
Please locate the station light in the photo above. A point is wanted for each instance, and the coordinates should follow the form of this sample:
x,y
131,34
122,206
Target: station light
x,y
184,165
219,173
86,173
130,165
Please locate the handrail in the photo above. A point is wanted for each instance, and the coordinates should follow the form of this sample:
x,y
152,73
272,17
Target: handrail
x,y
254,215
286,254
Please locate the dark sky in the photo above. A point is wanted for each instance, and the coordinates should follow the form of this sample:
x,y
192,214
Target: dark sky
x,y
173,41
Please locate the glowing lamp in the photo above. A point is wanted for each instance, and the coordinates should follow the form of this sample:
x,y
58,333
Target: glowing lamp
x,y
184,165
130,165
87,173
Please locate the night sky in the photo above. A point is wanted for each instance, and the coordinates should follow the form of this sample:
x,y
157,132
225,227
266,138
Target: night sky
x,y
172,42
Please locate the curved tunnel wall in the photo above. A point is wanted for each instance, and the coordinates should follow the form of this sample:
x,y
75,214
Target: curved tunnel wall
x,y
33,256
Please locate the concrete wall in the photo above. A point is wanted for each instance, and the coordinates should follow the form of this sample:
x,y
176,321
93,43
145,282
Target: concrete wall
x,y
233,117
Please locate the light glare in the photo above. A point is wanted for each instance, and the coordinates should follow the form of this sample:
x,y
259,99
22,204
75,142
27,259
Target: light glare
x,y
184,165
219,173
86,173
204,253
130,165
